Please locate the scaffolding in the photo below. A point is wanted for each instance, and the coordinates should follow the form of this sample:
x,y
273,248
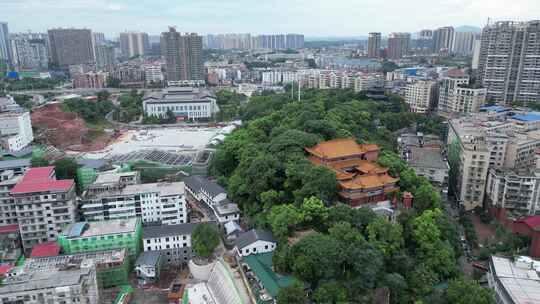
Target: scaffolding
x,y
130,240
85,177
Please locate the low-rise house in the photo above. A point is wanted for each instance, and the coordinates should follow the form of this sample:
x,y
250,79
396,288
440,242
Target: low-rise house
x,y
255,241
148,267
214,196
183,102
18,166
172,241
430,163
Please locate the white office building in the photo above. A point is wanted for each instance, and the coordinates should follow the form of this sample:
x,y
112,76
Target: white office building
x,y
184,102
153,73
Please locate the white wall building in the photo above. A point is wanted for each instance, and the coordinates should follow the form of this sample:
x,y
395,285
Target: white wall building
x,y
419,95
514,281
186,102
153,73
163,203
172,241
15,130
254,241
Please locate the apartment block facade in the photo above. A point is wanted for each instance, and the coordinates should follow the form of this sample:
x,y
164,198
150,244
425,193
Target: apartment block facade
x,y
508,64
420,96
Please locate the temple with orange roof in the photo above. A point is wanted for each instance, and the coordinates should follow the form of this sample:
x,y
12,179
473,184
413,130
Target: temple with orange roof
x,y
361,180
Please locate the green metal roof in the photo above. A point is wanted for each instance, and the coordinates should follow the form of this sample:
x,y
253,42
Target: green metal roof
x,y
261,265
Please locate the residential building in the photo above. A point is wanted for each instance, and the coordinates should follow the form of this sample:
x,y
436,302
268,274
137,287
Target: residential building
x,y
443,40
104,57
5,54
467,99
44,205
134,44
148,267
18,166
153,73
423,44
15,130
420,96
130,75
184,102
172,241
447,90
508,66
162,203
106,235
10,244
361,181
183,55
514,190
214,197
91,80
30,51
374,45
112,181
8,210
112,266
98,38
463,43
516,281
426,155
70,46
254,241
398,45
66,283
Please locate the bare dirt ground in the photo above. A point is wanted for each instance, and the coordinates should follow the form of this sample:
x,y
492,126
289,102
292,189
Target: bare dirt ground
x,y
483,231
66,130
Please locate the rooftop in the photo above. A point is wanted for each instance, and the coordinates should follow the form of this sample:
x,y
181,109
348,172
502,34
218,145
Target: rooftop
x,y
101,228
252,236
519,279
168,230
41,179
261,265
530,117
164,189
198,183
148,258
112,177
15,163
44,280
427,157
179,95
9,228
100,259
340,148
48,249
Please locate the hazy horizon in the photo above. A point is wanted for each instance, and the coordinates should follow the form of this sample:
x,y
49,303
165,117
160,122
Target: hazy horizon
x,y
337,18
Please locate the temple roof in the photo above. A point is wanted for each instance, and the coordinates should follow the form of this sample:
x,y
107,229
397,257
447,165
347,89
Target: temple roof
x,y
340,148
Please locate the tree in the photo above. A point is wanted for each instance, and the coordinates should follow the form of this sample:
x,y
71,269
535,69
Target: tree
x,y
464,291
398,288
426,197
103,95
385,236
330,293
38,162
315,258
438,255
283,219
422,280
66,168
314,211
205,239
293,294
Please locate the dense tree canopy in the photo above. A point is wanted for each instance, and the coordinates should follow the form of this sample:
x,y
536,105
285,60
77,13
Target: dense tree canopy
x,y
205,239
341,253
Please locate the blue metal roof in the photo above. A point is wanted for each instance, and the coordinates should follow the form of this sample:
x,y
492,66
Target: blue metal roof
x,y
77,229
527,117
497,109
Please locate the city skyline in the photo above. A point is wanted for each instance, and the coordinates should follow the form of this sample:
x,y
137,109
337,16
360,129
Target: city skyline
x,y
314,19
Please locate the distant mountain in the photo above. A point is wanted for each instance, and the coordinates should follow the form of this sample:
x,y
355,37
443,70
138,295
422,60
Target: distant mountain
x,y
468,28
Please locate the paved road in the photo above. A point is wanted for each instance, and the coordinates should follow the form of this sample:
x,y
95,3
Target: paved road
x,y
74,91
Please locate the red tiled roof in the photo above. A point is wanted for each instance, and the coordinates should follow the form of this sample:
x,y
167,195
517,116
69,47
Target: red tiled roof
x,y
532,221
9,228
4,268
45,250
41,180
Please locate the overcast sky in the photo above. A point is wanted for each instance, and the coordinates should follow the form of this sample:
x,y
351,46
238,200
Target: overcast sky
x,y
310,17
